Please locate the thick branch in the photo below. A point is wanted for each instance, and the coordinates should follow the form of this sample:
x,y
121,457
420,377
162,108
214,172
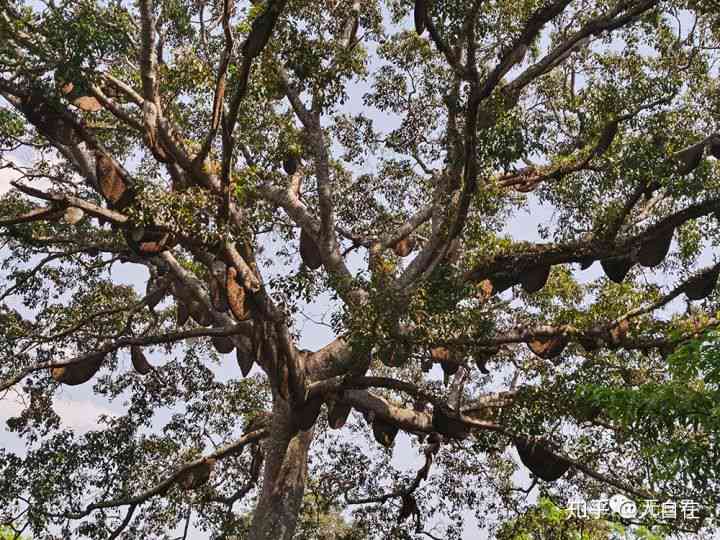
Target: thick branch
x,y
68,200
170,337
607,22
511,265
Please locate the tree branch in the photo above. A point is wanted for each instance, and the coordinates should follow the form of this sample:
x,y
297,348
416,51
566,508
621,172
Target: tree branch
x,y
231,449
170,337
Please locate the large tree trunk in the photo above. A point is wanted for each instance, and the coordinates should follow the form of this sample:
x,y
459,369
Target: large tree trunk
x,y
286,453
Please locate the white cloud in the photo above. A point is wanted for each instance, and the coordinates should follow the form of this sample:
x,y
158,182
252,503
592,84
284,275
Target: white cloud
x,y
80,415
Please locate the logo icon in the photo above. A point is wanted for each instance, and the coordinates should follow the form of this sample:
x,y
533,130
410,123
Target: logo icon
x,y
620,504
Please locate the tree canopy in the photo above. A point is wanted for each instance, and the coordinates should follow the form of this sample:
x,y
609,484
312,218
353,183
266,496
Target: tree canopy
x,y
193,181
547,521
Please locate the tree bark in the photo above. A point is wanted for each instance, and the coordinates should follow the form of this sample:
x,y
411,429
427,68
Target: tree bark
x,y
286,457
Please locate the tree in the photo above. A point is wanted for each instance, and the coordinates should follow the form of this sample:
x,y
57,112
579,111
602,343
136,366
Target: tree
x,y
318,519
247,161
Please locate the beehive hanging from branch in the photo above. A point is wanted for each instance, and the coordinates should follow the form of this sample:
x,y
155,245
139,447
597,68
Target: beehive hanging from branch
x,y
409,507
199,313
198,475
284,381
290,164
651,186
155,291
260,31
420,16
83,102
245,362
65,88
154,241
87,104
404,247
534,279
110,182
442,356
338,414
309,251
654,251
501,284
619,332
182,314
257,339
446,422
484,289
236,296
589,343
616,268
139,361
149,240
548,348
702,285
449,368
223,344
541,462
73,215
218,294
483,356
244,355
714,146
439,354
689,158
384,432
136,233
152,248
78,372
